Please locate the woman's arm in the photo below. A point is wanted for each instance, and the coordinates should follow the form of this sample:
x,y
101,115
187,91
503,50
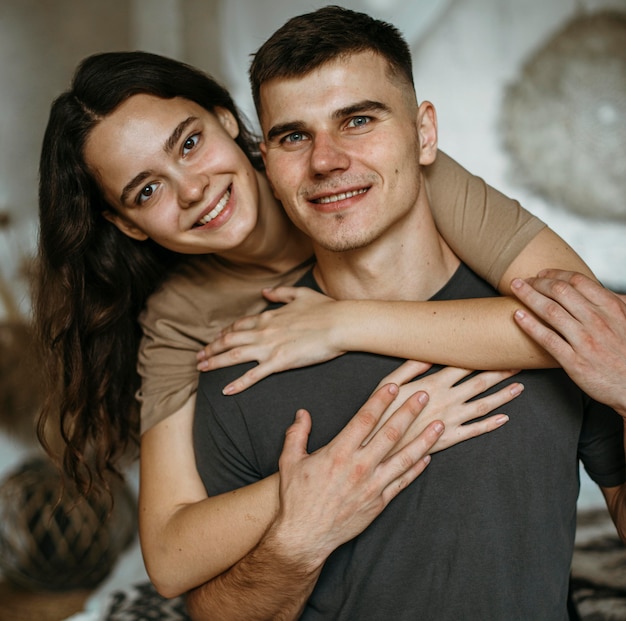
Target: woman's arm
x,y
486,229
186,537
310,328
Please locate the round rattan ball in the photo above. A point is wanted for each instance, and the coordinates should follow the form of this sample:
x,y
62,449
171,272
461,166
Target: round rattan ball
x,y
60,543
564,119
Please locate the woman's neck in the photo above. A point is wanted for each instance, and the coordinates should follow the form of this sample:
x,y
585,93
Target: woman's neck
x,y
275,245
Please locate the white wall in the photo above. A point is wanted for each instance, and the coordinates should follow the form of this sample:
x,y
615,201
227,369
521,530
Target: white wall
x,y
464,66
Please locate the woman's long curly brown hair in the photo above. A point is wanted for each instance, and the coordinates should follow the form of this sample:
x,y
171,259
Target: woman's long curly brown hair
x,y
93,281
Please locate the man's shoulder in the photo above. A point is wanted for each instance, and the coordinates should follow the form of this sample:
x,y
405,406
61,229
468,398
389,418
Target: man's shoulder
x,y
212,383
464,284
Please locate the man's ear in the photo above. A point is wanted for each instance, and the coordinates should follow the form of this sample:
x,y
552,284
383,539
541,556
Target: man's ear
x,y
128,228
227,121
427,128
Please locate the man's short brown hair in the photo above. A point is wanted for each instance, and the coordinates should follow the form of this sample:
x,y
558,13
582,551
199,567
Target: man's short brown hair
x,y
308,41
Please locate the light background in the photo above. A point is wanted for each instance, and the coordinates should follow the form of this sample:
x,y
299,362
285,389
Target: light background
x,y
466,52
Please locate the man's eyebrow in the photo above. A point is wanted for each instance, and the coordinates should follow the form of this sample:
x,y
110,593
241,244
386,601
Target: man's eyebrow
x,y
168,147
367,105
285,128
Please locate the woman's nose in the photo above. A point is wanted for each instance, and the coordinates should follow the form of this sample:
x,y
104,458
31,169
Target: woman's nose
x,y
192,188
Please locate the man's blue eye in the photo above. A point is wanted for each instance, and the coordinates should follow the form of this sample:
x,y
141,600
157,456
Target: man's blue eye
x,y
359,121
295,137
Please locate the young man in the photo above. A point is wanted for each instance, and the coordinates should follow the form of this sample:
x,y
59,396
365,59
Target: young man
x,y
487,531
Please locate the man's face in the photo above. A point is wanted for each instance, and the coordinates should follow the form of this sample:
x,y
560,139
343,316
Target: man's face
x,y
343,147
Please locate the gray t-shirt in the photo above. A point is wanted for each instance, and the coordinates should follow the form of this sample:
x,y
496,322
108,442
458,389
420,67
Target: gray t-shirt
x,y
485,533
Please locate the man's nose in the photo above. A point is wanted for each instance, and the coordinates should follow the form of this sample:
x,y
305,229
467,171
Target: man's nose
x,y
328,155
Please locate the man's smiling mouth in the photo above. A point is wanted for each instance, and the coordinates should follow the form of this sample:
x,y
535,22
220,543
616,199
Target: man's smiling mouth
x,y
216,211
339,197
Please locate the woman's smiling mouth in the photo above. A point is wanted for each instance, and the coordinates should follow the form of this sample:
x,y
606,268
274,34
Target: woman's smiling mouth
x,y
216,211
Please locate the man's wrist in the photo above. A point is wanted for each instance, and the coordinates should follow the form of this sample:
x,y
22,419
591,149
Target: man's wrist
x,y
292,551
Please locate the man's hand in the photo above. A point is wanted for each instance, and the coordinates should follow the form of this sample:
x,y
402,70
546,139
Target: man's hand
x,y
332,495
584,330
326,499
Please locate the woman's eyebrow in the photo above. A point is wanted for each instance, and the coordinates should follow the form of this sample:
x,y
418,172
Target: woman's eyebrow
x,y
168,147
132,184
170,143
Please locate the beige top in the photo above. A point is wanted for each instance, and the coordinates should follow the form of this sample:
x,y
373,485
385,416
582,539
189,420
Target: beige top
x,y
485,229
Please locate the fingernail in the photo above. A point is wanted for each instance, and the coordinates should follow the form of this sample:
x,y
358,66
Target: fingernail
x,y
201,355
516,283
517,389
422,397
426,459
520,314
229,390
203,366
439,427
500,420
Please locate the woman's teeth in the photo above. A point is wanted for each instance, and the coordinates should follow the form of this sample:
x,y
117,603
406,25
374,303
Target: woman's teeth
x,y
216,211
339,197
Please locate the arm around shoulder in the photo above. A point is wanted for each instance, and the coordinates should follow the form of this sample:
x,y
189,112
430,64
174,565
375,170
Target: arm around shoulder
x,y
187,537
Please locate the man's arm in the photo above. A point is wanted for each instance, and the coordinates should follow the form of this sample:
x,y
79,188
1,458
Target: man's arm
x,y
326,499
616,502
615,498
583,326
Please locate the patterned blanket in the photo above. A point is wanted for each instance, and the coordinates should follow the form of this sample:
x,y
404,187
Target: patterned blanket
x,y
598,580
599,569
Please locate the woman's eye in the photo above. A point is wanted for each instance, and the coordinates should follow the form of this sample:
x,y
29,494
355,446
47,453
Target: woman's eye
x,y
146,192
190,143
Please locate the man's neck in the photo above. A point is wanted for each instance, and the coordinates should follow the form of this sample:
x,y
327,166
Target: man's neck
x,y
411,263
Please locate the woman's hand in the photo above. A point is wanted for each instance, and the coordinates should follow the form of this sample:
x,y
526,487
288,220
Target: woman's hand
x,y
449,402
296,335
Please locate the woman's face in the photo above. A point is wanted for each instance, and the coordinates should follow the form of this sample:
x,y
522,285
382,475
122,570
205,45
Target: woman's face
x,y
172,172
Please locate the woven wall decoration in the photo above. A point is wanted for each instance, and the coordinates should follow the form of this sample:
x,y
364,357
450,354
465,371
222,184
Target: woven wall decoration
x,y
60,545
564,119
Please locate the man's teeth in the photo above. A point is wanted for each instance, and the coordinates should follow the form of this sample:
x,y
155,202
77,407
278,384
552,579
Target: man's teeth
x,y
217,210
340,197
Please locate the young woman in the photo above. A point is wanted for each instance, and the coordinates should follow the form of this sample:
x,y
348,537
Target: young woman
x,y
146,162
